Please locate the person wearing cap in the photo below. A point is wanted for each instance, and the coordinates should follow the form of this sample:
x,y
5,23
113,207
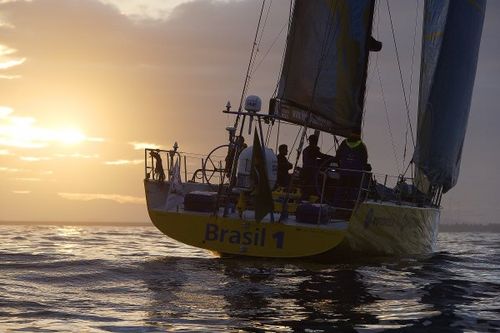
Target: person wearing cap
x,y
312,158
352,153
352,158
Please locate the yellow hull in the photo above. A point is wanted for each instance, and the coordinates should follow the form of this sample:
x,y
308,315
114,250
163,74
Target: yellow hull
x,y
375,228
382,228
246,237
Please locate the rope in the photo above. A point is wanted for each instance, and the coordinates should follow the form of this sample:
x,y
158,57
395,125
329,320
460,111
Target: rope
x,y
282,65
278,134
269,49
386,109
411,75
387,115
401,75
254,68
268,134
252,57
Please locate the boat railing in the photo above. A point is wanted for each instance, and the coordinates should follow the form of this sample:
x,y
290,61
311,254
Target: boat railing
x,y
341,190
402,190
193,168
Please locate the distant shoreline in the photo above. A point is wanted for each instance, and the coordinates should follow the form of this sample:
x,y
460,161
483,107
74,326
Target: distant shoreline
x,y
456,227
465,227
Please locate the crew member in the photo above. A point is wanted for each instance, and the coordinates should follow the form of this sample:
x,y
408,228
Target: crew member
x,y
352,158
312,158
352,153
158,173
283,166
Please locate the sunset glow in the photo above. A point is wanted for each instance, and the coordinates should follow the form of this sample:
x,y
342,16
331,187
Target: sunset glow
x,y
86,86
22,132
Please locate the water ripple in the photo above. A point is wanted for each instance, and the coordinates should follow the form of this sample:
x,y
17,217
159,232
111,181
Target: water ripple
x,y
112,279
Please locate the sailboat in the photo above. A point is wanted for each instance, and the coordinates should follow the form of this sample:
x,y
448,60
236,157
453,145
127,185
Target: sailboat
x,y
230,203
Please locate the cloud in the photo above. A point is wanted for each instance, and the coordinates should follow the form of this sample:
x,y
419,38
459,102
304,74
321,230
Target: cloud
x,y
77,155
122,199
7,1
21,192
6,169
5,111
5,50
150,10
124,162
139,9
17,170
144,145
11,63
34,159
10,77
8,61
28,179
4,152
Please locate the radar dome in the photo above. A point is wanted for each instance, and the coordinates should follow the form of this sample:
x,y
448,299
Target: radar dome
x,y
253,103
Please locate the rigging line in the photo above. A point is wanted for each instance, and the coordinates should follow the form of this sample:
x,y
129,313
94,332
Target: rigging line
x,y
387,115
265,22
413,51
252,70
252,55
269,49
411,73
400,73
288,38
335,144
268,134
406,170
295,141
278,134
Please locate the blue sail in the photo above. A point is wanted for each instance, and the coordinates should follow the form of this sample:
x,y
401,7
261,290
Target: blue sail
x,y
322,84
451,37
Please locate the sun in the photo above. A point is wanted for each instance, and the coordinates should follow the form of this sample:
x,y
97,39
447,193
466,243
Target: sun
x,y
23,132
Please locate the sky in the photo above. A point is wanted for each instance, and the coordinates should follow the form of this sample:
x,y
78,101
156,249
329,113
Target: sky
x,y
85,85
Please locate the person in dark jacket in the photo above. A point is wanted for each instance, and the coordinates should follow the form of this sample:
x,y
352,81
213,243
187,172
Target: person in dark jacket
x,y
312,158
352,153
283,166
352,158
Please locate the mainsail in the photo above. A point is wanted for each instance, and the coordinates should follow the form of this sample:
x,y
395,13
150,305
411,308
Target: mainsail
x,y
451,37
322,83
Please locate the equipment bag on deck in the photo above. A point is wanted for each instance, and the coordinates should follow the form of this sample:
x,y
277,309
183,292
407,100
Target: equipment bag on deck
x,y
312,213
199,201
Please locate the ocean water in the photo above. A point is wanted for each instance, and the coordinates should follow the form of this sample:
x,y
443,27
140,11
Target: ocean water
x,y
134,279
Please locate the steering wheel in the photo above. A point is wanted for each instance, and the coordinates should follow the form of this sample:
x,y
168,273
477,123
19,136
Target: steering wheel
x,y
324,170
214,166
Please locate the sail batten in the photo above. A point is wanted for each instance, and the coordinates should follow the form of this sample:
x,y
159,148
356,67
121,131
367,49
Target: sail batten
x,y
450,47
322,84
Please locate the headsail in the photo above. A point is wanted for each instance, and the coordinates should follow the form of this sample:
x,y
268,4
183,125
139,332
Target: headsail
x,y
450,47
322,84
